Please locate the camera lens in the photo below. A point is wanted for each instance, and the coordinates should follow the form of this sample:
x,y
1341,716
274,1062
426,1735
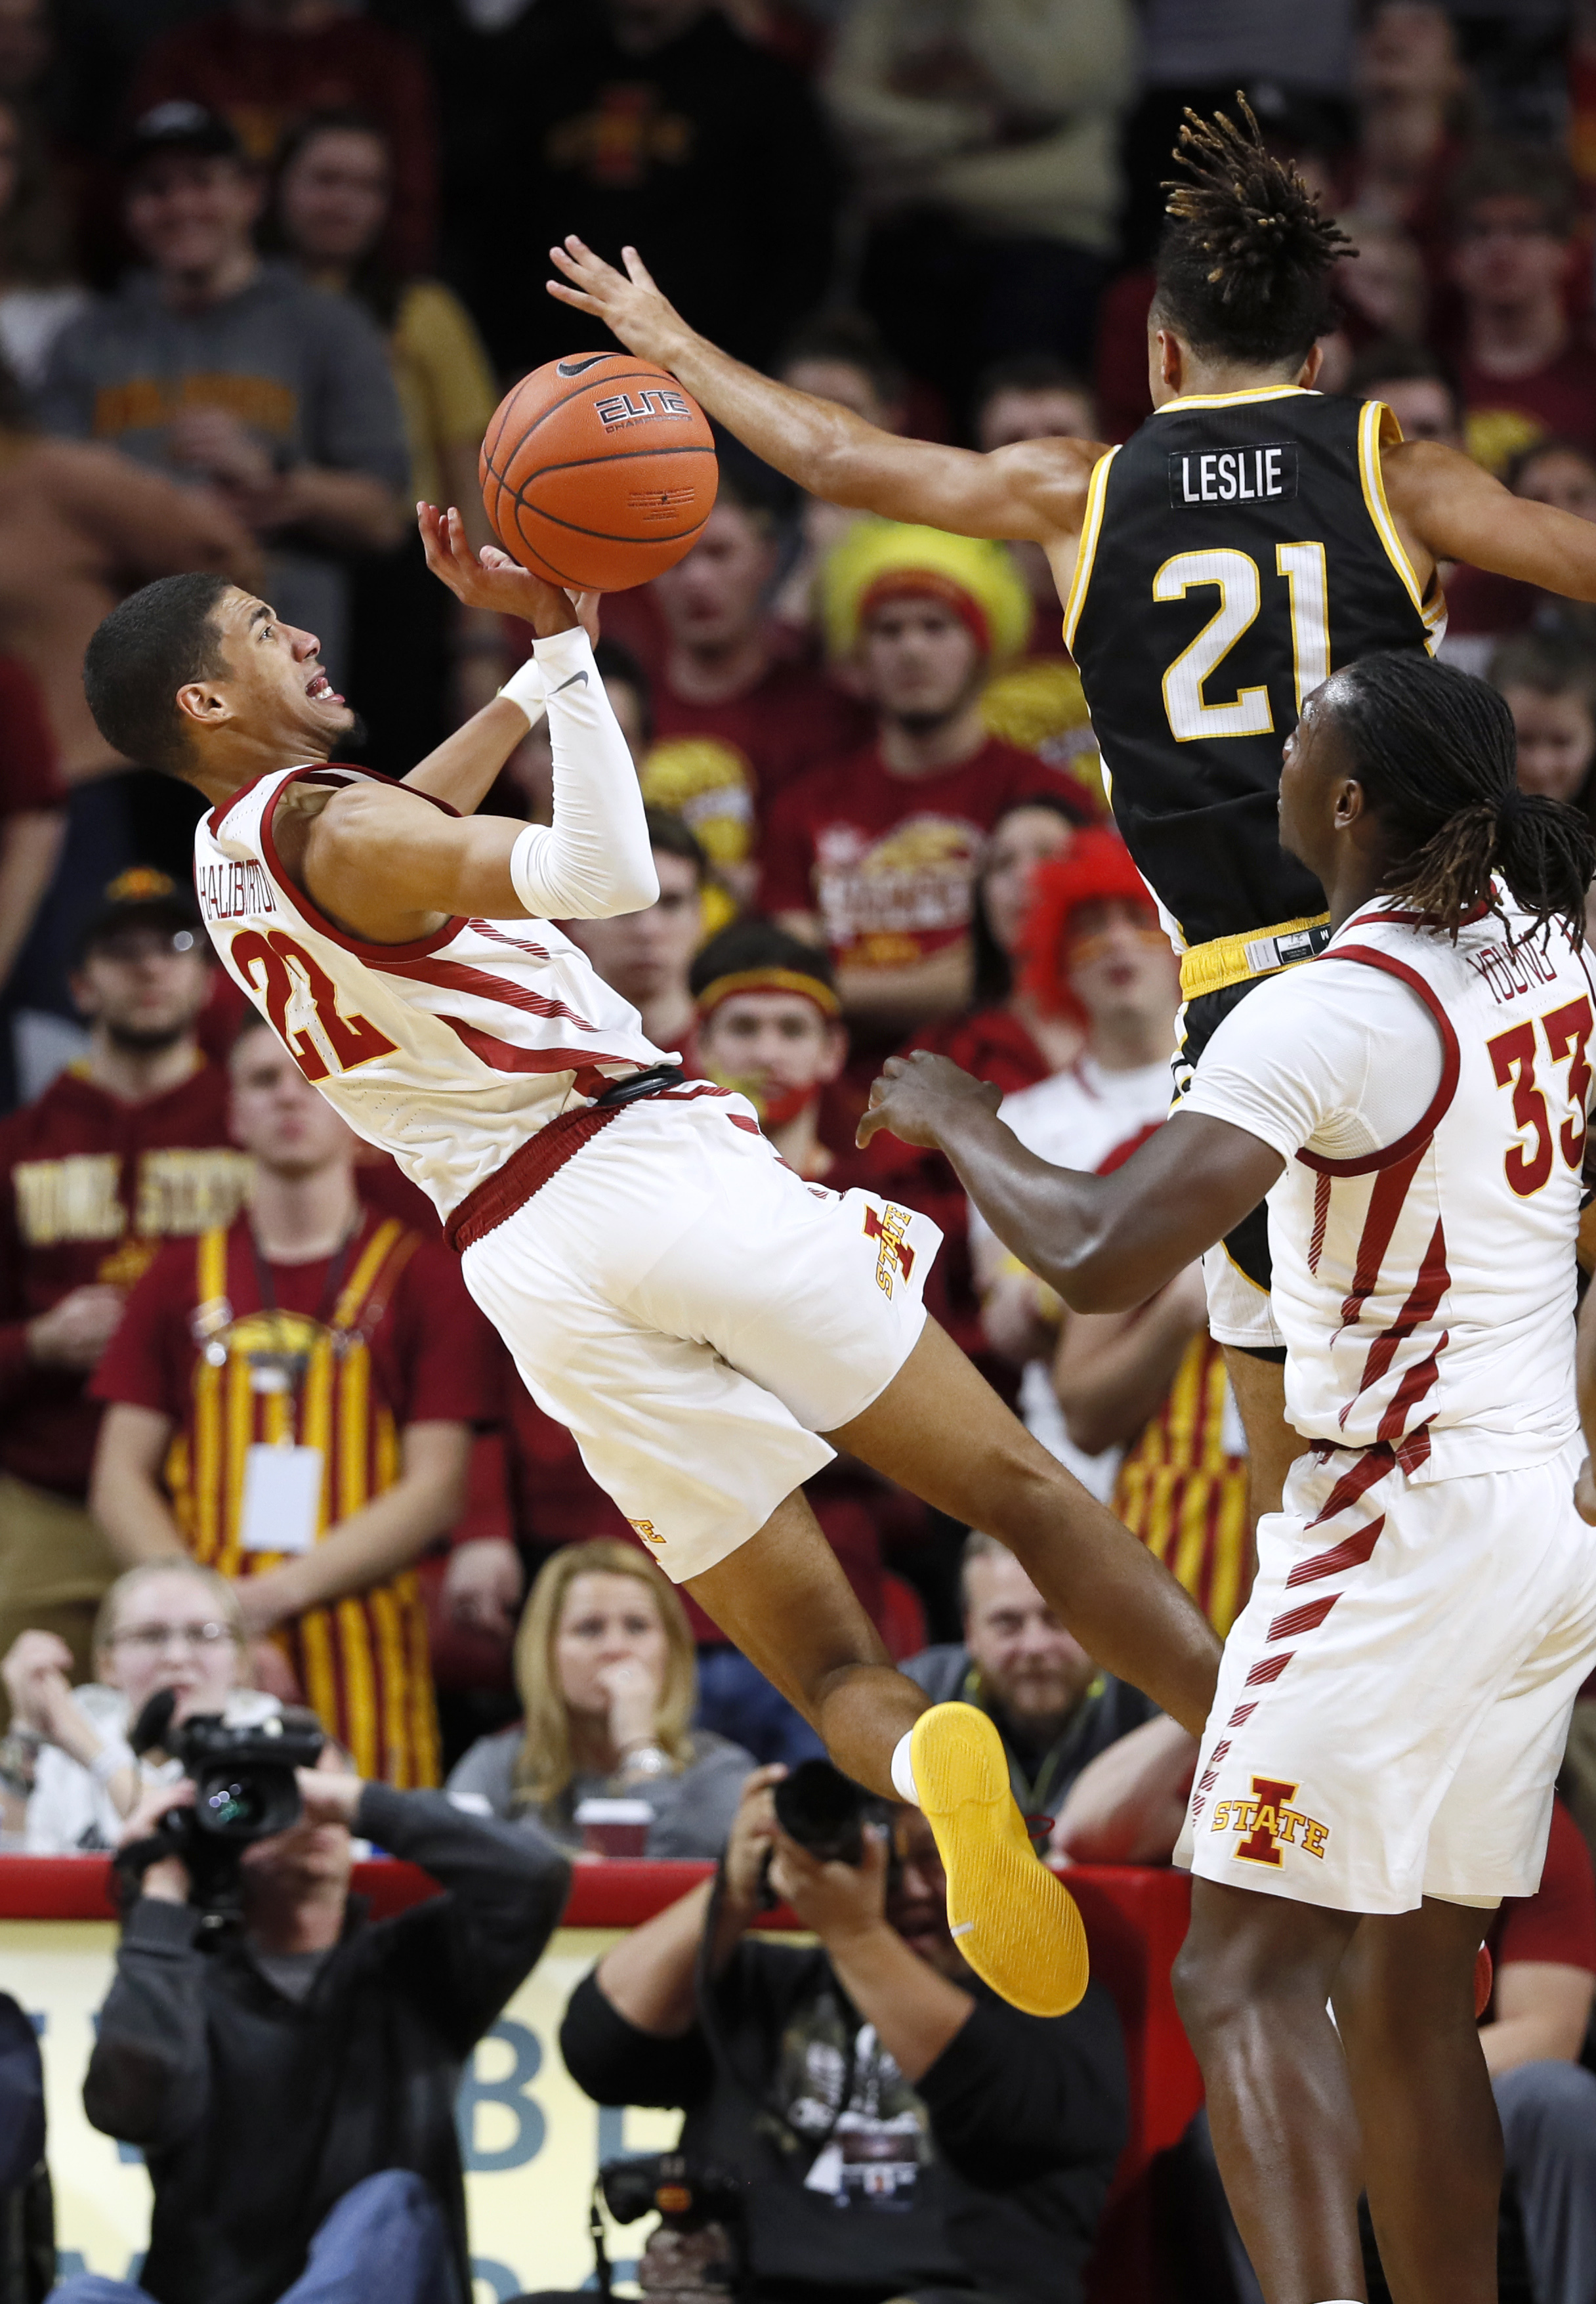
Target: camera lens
x,y
233,1808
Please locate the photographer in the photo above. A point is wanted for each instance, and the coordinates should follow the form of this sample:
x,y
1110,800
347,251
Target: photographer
x,y
895,2131
292,2079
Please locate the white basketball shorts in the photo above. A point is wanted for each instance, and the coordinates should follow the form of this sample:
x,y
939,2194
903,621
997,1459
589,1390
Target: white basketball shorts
x,y
1239,1312
1393,1700
697,1314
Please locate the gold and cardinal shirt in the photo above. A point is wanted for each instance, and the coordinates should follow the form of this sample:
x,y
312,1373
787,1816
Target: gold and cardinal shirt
x,y
289,1388
89,1189
887,862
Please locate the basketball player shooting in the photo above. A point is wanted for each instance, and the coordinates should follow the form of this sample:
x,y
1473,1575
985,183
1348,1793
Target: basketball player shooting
x,y
1377,1770
1252,536
710,1326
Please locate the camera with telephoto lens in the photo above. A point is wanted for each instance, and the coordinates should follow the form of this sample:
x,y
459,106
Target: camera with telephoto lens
x,y
245,1789
697,2249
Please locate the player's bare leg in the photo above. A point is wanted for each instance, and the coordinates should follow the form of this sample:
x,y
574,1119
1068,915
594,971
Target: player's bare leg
x,y
941,1431
783,1598
1272,1446
1433,2143
1252,1982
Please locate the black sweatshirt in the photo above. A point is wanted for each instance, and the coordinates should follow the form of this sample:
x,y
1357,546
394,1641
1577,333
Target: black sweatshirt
x,y
1023,2120
256,2112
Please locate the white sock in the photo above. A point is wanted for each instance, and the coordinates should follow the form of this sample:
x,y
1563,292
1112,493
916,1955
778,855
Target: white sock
x,y
903,1775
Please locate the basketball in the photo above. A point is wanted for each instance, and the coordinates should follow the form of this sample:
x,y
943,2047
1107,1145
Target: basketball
x,y
598,471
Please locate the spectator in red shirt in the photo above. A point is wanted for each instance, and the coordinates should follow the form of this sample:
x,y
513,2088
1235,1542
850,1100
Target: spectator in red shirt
x,y
125,1148
267,64
291,1400
735,721
1544,1950
1524,365
875,854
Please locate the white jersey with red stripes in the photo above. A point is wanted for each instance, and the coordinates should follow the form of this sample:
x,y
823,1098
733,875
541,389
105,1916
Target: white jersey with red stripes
x,y
1425,1287
448,1053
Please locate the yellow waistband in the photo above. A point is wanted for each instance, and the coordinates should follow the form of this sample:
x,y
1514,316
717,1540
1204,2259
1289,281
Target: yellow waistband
x,y
1234,959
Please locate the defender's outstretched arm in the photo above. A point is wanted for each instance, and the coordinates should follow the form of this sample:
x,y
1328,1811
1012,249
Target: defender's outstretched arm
x,y
1035,490
1106,1243
1458,511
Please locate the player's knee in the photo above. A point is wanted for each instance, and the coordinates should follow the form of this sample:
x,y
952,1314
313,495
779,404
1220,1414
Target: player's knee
x,y
1238,1976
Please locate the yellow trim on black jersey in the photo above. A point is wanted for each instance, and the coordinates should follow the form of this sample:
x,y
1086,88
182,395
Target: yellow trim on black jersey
x,y
1086,550
1234,399
1370,427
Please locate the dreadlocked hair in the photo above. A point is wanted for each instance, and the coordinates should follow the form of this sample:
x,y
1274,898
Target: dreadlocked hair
x,y
1244,262
1436,752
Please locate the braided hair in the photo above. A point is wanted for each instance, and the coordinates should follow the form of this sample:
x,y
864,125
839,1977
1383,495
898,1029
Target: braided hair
x,y
1244,263
1436,752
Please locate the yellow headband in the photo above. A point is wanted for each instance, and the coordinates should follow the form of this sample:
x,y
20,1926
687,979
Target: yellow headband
x,y
769,980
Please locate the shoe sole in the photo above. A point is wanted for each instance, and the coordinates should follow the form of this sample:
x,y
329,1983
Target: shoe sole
x,y
1014,1921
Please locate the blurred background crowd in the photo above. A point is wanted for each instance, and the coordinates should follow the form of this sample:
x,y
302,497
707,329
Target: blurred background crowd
x,y
265,266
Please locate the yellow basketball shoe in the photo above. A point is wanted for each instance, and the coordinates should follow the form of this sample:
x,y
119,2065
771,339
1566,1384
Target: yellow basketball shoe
x,y
1014,1921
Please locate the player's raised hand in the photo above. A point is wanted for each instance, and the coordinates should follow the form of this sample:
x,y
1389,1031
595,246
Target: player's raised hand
x,y
913,1097
628,303
491,579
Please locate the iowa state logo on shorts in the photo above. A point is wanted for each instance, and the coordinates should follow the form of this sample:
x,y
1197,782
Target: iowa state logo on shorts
x,y
894,1255
646,1530
1268,1823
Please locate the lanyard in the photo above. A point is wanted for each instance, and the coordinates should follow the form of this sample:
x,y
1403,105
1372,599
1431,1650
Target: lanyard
x,y
276,1367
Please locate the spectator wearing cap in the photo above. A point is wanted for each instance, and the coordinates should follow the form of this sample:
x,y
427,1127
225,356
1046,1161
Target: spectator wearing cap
x,y
266,68
235,374
127,1147
291,1399
874,855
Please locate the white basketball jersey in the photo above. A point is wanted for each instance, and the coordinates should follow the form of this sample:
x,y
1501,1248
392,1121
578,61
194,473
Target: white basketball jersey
x,y
1426,1292
448,1053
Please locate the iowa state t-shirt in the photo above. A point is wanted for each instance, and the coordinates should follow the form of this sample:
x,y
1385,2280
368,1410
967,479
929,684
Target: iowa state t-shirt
x,y
888,861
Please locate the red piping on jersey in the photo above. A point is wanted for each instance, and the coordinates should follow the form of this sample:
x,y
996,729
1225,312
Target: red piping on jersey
x,y
505,1056
1305,1617
1350,1553
1386,1203
1422,1130
373,953
458,976
1424,1299
516,944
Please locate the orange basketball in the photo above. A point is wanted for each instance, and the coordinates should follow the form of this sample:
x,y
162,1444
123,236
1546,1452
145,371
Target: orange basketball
x,y
598,471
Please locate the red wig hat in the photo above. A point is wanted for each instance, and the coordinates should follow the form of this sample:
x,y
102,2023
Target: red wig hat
x,y
1094,868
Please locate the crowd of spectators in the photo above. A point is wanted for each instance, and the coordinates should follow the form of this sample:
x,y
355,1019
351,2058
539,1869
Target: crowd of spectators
x,y
265,267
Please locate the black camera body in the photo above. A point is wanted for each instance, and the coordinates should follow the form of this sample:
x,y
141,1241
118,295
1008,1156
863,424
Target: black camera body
x,y
685,2198
245,1789
824,1811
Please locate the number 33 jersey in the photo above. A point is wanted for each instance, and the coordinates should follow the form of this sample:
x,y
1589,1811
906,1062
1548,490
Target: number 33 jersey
x,y
1235,552
1430,1101
448,1053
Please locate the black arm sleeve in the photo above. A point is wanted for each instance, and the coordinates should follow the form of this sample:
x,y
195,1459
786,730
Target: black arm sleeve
x,y
506,1888
149,2078
1014,2098
614,2061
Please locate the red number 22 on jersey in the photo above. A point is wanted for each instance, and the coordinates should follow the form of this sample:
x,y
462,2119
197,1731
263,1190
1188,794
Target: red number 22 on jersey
x,y
353,1039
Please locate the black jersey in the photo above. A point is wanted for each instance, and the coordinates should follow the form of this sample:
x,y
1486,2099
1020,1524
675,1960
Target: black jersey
x,y
1236,551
